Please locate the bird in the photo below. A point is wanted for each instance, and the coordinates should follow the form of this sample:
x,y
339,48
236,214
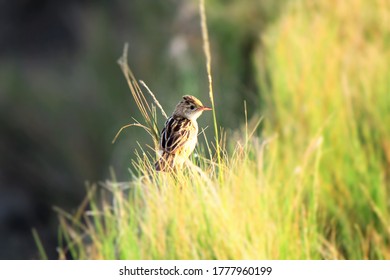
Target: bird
x,y
180,134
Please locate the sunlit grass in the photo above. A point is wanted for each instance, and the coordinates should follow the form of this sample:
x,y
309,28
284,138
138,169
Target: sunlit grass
x,y
328,66
313,184
254,214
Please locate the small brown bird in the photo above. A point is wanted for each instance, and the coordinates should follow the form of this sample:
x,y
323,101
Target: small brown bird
x,y
180,134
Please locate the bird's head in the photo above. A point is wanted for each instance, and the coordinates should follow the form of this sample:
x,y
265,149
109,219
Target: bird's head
x,y
190,108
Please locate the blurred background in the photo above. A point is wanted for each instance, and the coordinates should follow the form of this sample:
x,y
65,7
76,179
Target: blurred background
x,y
63,96
311,68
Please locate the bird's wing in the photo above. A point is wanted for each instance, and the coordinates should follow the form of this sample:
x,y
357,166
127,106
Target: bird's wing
x,y
175,134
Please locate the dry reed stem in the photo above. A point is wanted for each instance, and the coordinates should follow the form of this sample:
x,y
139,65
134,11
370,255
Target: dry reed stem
x,y
207,52
154,99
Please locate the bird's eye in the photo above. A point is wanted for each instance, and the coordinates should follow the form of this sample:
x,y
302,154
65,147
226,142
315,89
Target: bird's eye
x,y
192,107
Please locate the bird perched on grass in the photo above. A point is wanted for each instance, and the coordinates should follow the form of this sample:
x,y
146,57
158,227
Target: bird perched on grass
x,y
180,134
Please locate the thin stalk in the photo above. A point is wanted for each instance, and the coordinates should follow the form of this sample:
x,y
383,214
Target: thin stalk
x,y
207,52
39,244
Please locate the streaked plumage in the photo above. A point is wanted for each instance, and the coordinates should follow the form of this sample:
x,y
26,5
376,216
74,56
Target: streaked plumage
x,y
180,134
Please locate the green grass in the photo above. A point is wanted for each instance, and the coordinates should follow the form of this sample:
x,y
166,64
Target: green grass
x,y
190,215
312,184
328,67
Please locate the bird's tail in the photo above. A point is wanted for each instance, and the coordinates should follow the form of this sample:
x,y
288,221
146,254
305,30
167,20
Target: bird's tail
x,y
165,163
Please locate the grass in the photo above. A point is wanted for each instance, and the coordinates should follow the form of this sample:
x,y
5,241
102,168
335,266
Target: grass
x,y
312,184
327,63
192,216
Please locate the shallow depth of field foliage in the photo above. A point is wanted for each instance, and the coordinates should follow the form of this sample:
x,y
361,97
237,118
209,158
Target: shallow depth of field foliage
x,y
311,182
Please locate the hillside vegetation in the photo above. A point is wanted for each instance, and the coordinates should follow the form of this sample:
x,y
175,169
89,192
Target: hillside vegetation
x,y
311,182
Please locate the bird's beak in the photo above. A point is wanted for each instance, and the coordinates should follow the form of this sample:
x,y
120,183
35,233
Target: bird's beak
x,y
205,108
